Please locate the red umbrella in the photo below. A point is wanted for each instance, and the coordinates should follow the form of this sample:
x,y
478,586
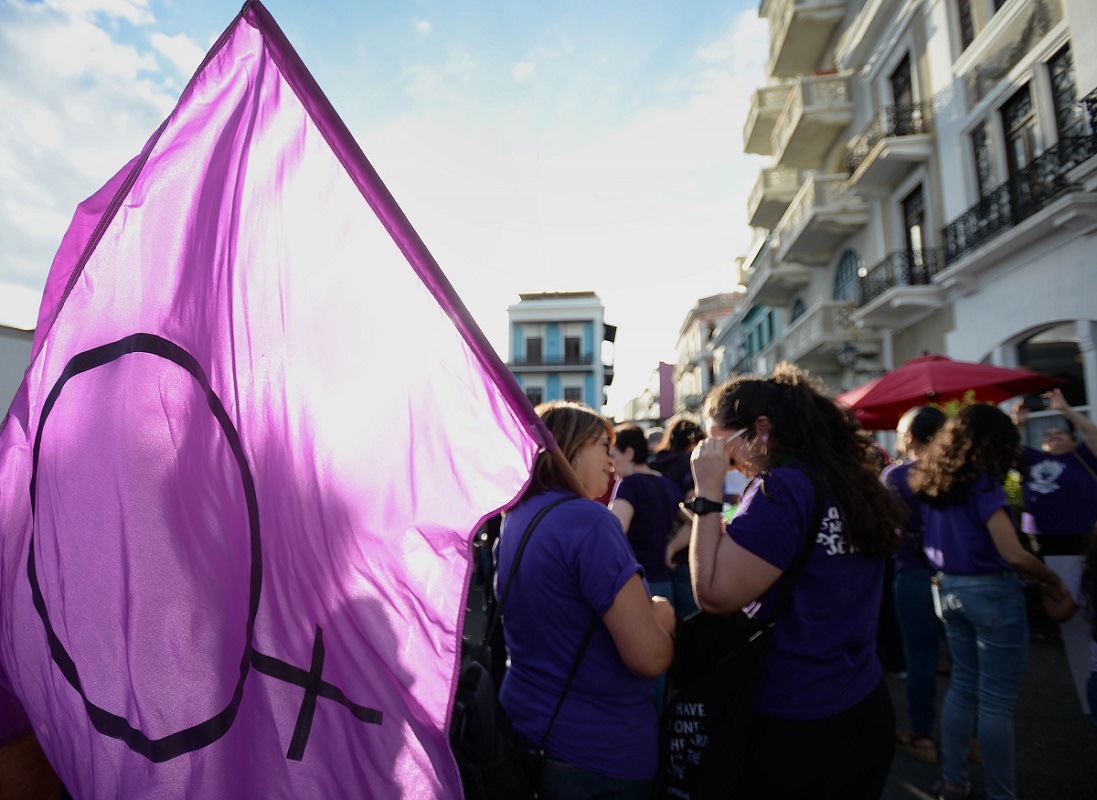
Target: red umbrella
x,y
936,379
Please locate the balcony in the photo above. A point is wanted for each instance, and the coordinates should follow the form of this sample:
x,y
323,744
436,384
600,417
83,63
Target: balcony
x,y
816,111
899,290
799,32
539,363
1004,42
768,357
765,107
1030,205
815,338
821,216
897,138
774,190
774,282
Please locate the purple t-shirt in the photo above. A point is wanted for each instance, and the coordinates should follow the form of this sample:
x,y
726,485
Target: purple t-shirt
x,y
576,562
957,541
822,658
910,554
654,500
1058,491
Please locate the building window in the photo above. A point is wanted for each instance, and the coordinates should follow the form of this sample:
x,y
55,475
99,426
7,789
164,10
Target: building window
x,y
798,309
967,23
1019,122
573,394
984,164
534,352
535,395
1069,119
845,279
914,220
572,348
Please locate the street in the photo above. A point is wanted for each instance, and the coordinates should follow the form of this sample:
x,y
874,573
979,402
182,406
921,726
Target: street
x,y
1056,744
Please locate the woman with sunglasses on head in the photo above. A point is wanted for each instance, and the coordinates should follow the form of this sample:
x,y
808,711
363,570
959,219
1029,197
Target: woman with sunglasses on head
x,y
971,540
578,571
823,725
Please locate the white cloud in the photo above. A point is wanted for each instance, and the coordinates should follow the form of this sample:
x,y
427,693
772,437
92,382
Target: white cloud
x,y
524,70
180,50
78,104
422,26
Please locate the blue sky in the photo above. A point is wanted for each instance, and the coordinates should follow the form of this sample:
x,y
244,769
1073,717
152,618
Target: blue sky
x,y
535,146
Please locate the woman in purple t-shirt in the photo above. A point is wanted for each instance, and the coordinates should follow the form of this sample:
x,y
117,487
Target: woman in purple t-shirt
x,y
578,567
823,725
971,540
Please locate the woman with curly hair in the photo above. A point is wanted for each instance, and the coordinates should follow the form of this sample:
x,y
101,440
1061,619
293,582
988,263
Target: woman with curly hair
x,y
971,540
823,724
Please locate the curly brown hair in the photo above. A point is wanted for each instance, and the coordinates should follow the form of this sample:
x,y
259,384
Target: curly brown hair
x,y
980,440
808,426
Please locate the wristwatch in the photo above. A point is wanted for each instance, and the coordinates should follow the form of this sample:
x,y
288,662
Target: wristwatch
x,y
701,506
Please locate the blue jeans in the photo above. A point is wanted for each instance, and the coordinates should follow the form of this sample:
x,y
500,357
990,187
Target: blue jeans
x,y
922,633
562,781
661,588
683,601
987,629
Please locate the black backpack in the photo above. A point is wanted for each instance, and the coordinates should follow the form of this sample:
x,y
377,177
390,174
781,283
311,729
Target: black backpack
x,y
493,765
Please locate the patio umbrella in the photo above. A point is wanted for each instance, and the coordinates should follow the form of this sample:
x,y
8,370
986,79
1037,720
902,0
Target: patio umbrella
x,y
936,379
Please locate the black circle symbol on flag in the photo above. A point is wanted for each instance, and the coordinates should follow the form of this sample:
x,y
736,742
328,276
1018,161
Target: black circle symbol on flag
x,y
196,736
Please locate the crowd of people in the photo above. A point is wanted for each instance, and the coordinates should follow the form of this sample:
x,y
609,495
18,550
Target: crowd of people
x,y
936,525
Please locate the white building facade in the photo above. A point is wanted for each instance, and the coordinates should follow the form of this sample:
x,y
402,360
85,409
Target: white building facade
x,y
932,187
695,369
556,347
15,347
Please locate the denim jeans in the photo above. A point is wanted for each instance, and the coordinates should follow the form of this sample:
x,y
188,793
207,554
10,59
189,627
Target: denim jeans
x,y
922,633
987,629
683,601
562,781
661,588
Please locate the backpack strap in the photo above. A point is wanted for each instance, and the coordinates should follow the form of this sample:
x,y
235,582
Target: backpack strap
x,y
497,609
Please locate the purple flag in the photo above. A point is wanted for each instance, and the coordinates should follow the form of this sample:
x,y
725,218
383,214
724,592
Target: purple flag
x,y
239,482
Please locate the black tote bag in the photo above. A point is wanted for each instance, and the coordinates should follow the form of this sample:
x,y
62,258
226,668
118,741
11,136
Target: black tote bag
x,y
718,665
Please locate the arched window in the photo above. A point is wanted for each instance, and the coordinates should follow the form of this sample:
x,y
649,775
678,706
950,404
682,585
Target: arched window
x,y
797,310
845,279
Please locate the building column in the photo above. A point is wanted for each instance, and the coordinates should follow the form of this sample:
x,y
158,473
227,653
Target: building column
x,y
1087,347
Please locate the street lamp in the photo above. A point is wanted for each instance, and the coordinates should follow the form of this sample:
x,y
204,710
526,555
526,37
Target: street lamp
x,y
847,355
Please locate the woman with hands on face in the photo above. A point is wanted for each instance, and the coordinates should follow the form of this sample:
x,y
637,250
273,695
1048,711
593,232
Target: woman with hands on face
x,y
823,725
578,567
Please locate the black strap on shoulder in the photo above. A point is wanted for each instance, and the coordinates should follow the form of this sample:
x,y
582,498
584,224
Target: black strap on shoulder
x,y
497,610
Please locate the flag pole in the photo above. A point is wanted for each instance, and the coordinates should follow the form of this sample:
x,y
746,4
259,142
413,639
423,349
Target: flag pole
x,y
569,473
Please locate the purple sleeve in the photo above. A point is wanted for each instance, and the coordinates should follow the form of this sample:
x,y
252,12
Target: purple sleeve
x,y
604,563
989,497
773,516
627,490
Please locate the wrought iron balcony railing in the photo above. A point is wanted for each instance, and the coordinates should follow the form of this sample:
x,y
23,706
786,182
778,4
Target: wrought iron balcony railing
x,y
553,361
890,121
1025,193
901,268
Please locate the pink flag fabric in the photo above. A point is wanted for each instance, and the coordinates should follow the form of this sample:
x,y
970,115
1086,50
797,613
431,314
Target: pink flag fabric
x,y
239,483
